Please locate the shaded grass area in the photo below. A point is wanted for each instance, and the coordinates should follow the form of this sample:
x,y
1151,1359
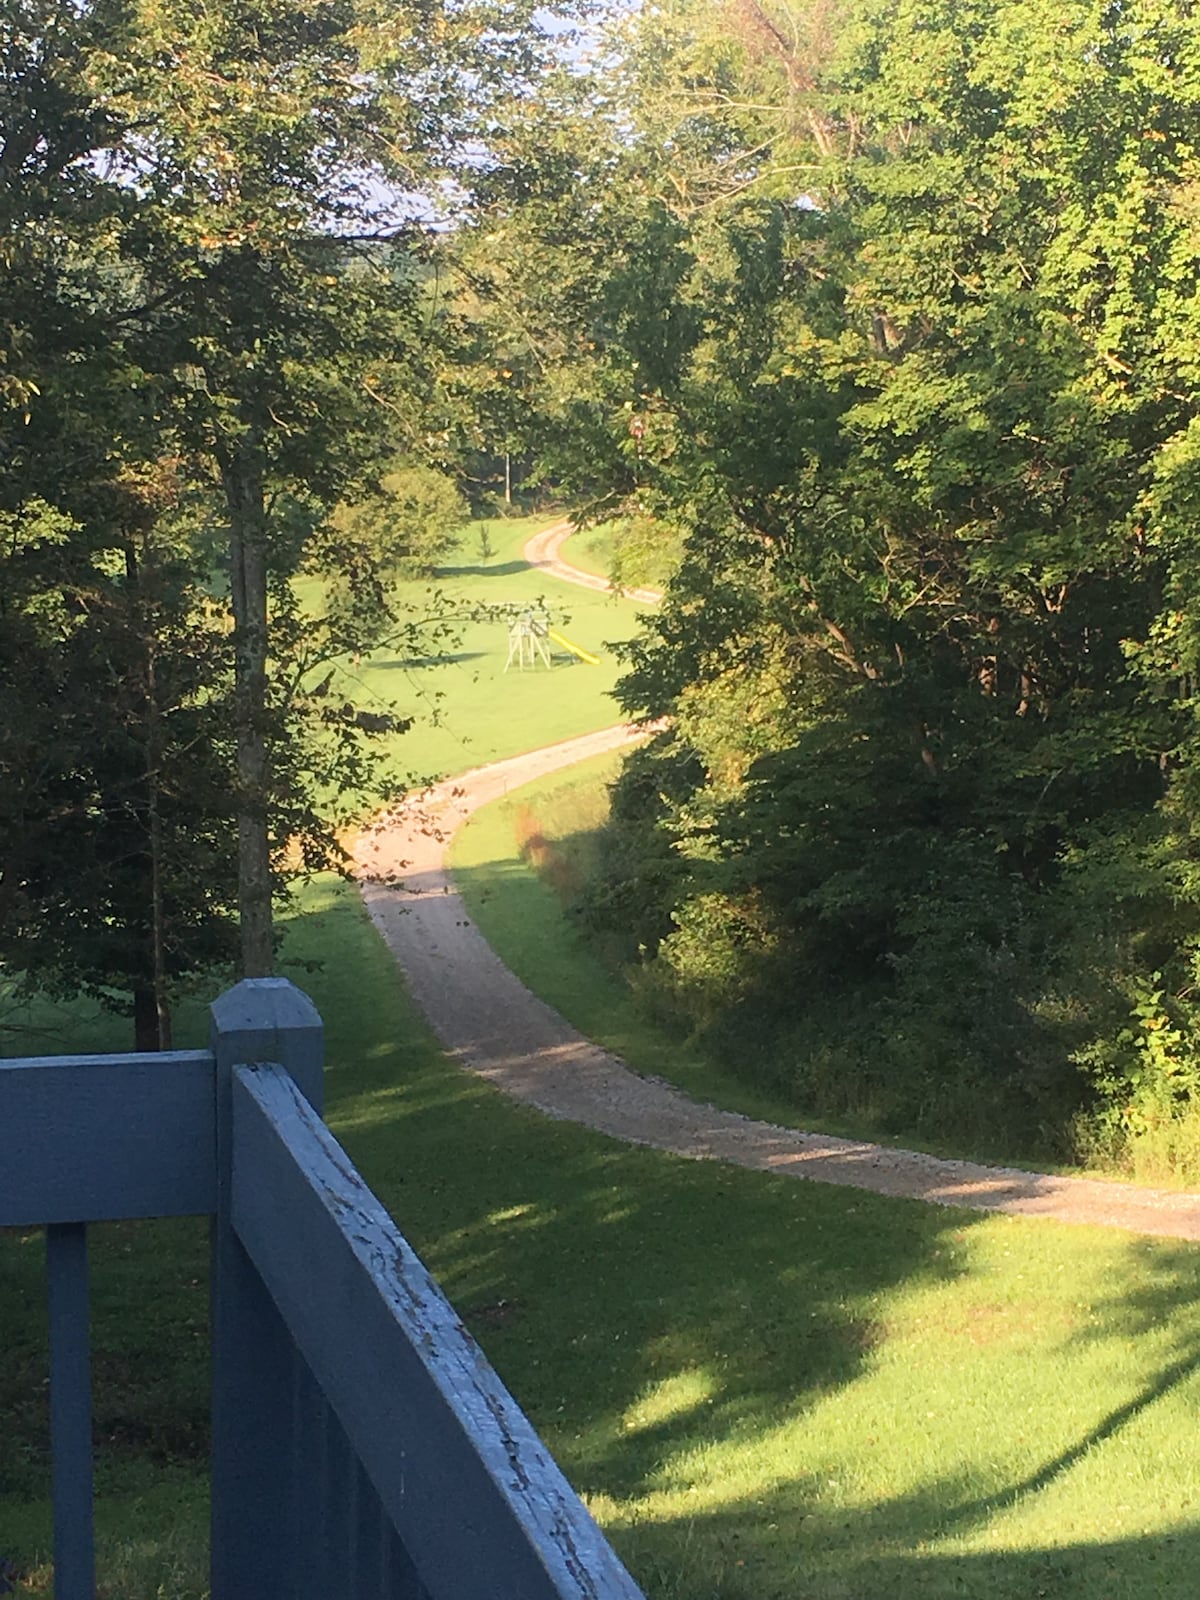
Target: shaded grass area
x,y
150,1342
766,1389
40,1025
149,1309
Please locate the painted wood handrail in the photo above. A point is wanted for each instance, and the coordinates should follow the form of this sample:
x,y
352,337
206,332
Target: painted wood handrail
x,y
474,1494
362,1445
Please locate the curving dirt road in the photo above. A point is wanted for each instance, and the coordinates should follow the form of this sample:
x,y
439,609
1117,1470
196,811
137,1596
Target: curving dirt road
x,y
495,1026
492,1024
543,553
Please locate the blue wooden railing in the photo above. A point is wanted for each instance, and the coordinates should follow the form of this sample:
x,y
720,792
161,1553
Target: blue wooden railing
x,y
362,1446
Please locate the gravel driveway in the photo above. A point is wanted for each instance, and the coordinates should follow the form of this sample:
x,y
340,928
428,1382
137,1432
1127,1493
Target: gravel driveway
x,y
493,1025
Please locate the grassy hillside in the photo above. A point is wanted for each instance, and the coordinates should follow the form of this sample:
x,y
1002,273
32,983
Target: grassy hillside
x,y
466,709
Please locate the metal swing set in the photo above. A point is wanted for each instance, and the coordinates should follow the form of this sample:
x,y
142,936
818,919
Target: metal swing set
x,y
530,636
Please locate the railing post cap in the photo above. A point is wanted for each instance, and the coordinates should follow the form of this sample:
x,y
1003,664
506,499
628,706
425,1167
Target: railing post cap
x,y
269,1019
263,1003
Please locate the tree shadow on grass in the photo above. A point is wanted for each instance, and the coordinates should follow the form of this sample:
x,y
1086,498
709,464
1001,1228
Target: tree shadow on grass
x,y
620,1269
497,569
1176,1373
449,658
654,1316
717,1557
794,1541
647,1309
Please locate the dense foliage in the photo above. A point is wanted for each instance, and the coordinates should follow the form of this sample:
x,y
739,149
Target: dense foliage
x,y
891,306
212,331
869,323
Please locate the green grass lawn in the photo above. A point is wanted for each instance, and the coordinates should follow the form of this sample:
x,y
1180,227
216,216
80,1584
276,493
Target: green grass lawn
x,y
467,710
763,1388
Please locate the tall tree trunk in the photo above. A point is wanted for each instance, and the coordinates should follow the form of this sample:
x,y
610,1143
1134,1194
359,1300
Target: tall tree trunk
x,y
146,1034
151,1007
242,477
158,919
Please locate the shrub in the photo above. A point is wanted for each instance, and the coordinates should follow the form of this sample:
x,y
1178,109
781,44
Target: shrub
x,y
717,953
404,527
1146,1078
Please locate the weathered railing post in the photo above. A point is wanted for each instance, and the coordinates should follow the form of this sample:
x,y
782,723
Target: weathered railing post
x,y
256,1546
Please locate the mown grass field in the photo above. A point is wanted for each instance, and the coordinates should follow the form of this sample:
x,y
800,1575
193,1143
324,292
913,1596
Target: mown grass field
x,y
765,1389
466,709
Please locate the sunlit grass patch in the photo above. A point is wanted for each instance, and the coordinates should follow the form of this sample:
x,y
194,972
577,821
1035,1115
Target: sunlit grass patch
x,y
166,1559
466,709
766,1389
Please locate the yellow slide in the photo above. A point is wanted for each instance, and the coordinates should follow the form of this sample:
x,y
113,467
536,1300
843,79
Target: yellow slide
x,y
575,649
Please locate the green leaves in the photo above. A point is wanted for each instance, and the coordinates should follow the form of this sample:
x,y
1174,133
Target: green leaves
x,y
212,324
927,281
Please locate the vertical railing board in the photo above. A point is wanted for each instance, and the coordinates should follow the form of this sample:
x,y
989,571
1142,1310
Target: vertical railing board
x,y
400,1580
102,1138
367,1535
256,1541
382,1567
340,1463
306,1466
318,1474
479,1505
70,1411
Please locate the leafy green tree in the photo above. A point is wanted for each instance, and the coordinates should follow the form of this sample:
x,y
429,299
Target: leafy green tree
x,y
205,203
398,530
254,142
901,325
114,791
115,808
